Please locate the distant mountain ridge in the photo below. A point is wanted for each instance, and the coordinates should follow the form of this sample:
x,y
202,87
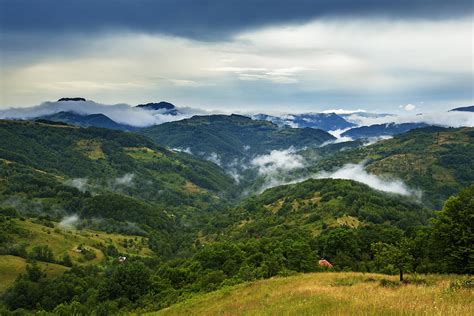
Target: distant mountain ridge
x,y
229,137
83,120
72,99
324,121
378,130
163,106
463,109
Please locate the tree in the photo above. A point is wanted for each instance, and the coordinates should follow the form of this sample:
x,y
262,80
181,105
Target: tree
x,y
42,253
453,233
397,255
130,280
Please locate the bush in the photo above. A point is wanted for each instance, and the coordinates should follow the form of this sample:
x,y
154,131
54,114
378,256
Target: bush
x,y
462,284
389,283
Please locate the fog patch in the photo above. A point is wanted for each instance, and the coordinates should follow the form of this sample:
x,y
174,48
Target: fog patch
x,y
342,139
78,183
357,173
186,150
445,119
338,132
278,161
214,158
373,140
69,221
274,167
125,180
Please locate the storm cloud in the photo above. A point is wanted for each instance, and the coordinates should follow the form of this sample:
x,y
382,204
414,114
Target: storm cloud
x,y
239,55
206,19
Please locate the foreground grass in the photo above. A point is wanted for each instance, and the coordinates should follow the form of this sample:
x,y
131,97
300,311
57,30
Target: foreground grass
x,y
332,294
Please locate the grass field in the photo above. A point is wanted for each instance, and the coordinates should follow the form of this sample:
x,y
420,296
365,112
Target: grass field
x,y
11,267
344,293
62,241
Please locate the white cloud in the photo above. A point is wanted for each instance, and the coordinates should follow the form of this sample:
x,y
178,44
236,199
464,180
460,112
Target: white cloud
x,y
215,158
447,119
373,140
337,132
69,221
357,173
186,150
125,180
120,113
343,111
278,161
78,183
409,107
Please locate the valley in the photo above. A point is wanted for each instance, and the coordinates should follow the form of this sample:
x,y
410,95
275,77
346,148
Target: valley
x,y
219,203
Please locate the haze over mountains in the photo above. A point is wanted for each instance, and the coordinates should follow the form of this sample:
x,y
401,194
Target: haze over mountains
x,y
149,114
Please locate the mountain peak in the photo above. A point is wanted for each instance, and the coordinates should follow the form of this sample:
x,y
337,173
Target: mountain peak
x,y
463,109
72,99
163,105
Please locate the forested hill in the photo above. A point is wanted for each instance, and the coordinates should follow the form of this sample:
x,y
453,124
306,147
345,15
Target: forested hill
x,y
96,160
437,161
232,137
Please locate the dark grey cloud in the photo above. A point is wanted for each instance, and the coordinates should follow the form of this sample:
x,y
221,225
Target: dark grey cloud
x,y
203,19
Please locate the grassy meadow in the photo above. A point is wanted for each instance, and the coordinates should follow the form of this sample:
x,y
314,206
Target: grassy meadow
x,y
65,241
11,267
344,293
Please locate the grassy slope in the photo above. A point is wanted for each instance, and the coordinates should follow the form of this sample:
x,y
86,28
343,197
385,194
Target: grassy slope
x,y
330,294
64,241
11,267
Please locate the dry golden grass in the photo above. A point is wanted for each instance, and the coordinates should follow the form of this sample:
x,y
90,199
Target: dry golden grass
x,y
331,294
143,153
191,188
91,148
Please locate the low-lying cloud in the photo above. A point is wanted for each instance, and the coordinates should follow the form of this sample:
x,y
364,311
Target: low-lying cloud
x,y
78,183
445,119
125,180
69,221
214,158
120,113
357,173
278,161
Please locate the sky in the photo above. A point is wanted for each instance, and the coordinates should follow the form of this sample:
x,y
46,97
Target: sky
x,y
405,56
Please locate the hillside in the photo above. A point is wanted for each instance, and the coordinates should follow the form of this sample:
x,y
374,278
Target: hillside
x,y
224,139
27,239
464,109
333,294
379,130
113,181
438,161
319,204
105,160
